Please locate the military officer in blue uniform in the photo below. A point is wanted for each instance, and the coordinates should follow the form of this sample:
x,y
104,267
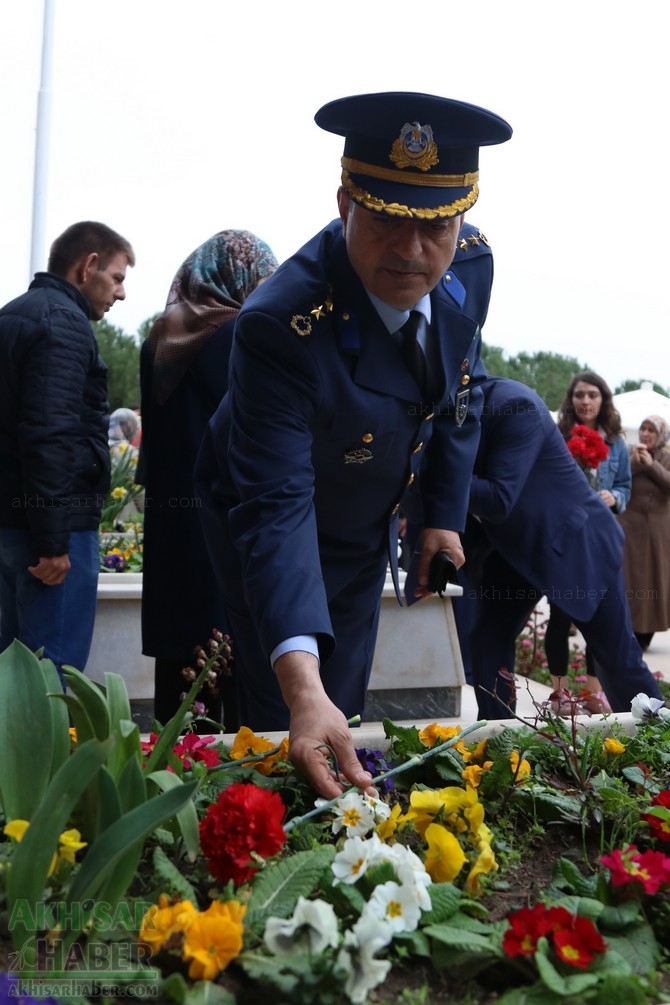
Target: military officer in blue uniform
x,y
331,410
539,528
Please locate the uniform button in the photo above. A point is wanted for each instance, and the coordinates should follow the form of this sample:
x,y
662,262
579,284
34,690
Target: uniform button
x,y
465,379
430,416
395,509
418,447
410,480
367,437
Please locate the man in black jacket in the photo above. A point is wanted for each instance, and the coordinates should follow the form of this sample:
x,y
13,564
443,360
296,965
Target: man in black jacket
x,y
54,457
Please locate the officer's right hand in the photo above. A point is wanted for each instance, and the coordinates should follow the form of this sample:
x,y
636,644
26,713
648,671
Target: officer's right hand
x,y
319,736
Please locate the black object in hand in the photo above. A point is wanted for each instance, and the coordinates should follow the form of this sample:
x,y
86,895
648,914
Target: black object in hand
x,y
442,571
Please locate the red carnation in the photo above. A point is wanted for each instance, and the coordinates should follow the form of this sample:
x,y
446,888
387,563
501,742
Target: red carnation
x,y
587,447
244,821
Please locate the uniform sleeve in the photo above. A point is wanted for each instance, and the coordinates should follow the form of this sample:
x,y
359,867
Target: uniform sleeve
x,y
272,399
510,460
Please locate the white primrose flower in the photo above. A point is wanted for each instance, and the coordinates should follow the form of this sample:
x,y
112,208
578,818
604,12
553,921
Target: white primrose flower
x,y
312,928
394,904
355,812
357,957
354,858
411,872
643,708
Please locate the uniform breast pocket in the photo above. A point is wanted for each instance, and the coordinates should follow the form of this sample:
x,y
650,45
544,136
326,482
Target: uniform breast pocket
x,y
356,438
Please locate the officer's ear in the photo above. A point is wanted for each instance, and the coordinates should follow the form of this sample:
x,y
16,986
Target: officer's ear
x,y
343,205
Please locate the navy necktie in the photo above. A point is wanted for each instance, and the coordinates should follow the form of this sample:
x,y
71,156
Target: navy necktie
x,y
413,354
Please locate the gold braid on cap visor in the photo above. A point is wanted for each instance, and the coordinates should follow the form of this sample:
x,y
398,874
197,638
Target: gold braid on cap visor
x,y
372,202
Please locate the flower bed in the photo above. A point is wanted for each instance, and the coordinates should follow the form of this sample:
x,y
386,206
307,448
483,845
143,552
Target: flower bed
x,y
201,867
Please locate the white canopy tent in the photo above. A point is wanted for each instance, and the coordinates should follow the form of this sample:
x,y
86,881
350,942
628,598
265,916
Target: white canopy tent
x,y
634,406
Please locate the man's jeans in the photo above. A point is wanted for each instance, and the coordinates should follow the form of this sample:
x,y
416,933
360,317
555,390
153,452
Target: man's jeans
x,y
57,618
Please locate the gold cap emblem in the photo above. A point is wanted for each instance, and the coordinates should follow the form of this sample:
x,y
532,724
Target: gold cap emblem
x,y
415,147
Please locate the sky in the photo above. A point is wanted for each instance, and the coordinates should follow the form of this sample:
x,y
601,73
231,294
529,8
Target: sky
x,y
170,120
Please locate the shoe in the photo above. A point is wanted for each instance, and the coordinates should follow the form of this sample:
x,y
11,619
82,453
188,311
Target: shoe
x,y
597,703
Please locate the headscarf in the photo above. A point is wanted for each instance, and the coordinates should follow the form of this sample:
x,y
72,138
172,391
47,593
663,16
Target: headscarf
x,y
208,290
661,427
123,426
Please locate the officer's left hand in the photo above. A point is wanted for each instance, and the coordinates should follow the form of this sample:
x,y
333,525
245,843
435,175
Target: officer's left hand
x,y
433,540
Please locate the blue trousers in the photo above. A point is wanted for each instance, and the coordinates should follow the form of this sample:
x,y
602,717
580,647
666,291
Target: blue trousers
x,y
58,619
502,603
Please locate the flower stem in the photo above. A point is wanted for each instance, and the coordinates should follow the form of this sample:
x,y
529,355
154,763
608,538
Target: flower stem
x,y
405,766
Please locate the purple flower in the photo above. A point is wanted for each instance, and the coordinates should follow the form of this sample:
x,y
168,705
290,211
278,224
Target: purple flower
x,y
375,762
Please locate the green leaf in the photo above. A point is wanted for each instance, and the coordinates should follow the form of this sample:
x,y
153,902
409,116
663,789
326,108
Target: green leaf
x,y
59,716
27,731
103,856
638,947
32,857
187,817
459,938
172,876
276,889
176,989
92,699
445,899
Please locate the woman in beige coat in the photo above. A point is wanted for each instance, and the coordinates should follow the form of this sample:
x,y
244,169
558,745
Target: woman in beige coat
x,y
646,523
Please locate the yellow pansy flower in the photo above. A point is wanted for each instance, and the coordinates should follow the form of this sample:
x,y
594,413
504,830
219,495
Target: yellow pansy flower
x,y
246,744
213,939
444,857
164,921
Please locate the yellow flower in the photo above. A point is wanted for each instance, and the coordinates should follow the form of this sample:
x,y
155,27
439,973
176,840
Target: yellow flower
x,y
246,744
16,829
486,862
519,770
472,775
165,921
386,828
477,755
73,736
213,939
613,746
444,857
433,735
69,844
119,492
451,805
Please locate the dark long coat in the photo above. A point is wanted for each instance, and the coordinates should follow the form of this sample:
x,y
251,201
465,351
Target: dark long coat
x,y
181,599
646,556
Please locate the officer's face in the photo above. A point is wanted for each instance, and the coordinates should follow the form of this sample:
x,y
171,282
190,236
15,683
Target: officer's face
x,y
398,260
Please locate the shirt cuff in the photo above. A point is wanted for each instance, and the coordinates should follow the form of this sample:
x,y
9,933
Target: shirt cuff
x,y
302,643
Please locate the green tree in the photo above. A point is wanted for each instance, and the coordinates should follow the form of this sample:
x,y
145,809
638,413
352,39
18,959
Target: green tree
x,y
121,353
548,373
634,385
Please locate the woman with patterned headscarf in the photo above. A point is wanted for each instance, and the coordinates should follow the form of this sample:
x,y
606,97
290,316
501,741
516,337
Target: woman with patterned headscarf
x,y
184,375
646,523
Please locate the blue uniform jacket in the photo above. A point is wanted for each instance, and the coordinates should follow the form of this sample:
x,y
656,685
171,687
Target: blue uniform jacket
x,y
309,454
536,506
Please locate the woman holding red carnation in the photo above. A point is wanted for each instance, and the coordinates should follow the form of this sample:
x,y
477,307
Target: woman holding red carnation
x,y
592,429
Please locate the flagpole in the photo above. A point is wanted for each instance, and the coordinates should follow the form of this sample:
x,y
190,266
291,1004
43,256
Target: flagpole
x,y
40,177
